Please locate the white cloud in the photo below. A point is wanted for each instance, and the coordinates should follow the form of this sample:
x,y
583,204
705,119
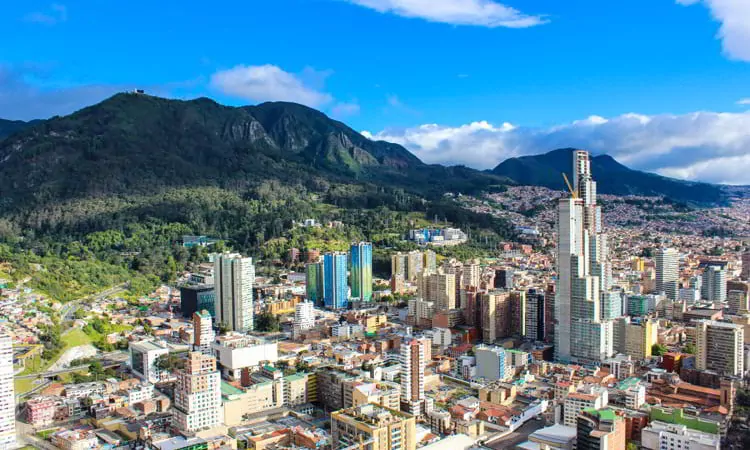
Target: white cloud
x,y
703,146
734,16
268,83
485,13
743,101
343,109
55,14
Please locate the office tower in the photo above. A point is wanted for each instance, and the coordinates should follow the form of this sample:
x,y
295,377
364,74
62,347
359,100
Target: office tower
x,y
315,283
7,394
635,338
504,278
373,427
714,288
719,347
361,274
535,315
738,302
399,263
600,430
197,395
471,307
197,298
335,289
304,318
430,262
496,315
413,363
667,272
518,313
746,266
439,288
470,275
414,265
611,305
234,278
584,272
203,332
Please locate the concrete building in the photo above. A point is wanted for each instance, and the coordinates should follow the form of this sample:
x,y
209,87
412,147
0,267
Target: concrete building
x,y
235,277
493,363
7,394
535,315
143,356
746,266
737,301
588,398
439,288
304,318
335,289
235,352
556,437
600,430
635,338
315,283
714,288
667,272
387,395
413,364
361,272
719,347
203,332
197,298
660,435
197,398
373,427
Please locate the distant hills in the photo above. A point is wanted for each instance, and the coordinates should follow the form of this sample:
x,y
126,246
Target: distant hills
x,y
8,127
611,177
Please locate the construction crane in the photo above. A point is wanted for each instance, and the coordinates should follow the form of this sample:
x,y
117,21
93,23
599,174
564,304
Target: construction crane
x,y
573,193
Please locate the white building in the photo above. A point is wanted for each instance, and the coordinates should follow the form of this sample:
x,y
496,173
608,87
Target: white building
x,y
203,332
234,277
347,330
413,364
197,398
140,392
441,337
304,318
493,363
143,356
714,288
666,436
667,272
719,347
236,351
575,402
689,295
7,394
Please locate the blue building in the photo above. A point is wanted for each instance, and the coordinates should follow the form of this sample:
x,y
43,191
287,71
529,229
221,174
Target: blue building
x,y
361,276
336,290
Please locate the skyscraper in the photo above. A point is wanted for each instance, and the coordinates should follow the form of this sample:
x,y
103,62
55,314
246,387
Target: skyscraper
x,y
667,272
335,289
719,347
746,266
361,273
315,283
439,288
7,394
714,288
234,277
203,332
197,396
413,363
304,318
583,270
535,313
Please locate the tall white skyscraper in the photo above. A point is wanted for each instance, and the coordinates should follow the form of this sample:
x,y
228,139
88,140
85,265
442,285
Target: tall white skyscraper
x,y
583,295
667,272
234,277
413,364
7,394
197,396
304,318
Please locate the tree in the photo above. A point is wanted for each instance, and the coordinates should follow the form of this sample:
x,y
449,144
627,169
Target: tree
x,y
658,349
632,446
267,322
79,314
690,348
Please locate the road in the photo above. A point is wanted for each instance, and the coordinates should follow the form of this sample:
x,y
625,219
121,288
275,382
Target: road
x,y
70,308
110,359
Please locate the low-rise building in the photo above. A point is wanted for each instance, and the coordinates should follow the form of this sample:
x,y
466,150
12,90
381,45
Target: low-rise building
x,y
374,427
661,435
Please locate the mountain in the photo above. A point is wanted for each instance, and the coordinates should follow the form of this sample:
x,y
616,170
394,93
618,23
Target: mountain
x,y
140,144
611,177
8,127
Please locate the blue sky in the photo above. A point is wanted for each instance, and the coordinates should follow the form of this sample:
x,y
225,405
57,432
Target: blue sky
x,y
424,73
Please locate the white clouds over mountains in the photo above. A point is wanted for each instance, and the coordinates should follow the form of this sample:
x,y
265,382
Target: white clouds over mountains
x,y
484,13
703,146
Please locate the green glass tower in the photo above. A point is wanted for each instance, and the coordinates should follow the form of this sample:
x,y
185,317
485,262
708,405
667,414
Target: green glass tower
x,y
361,271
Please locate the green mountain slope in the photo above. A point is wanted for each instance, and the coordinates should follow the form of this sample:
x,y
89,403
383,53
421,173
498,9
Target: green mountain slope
x,y
611,177
8,127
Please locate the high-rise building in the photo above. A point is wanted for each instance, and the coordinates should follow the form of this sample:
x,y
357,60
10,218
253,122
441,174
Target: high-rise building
x,y
535,315
413,363
315,283
197,298
373,427
336,291
667,272
583,270
234,278
719,347
635,338
197,396
203,332
430,262
7,394
470,275
746,266
304,318
361,273
738,302
504,278
600,430
518,313
439,288
714,288
611,305
414,264
399,262
496,315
